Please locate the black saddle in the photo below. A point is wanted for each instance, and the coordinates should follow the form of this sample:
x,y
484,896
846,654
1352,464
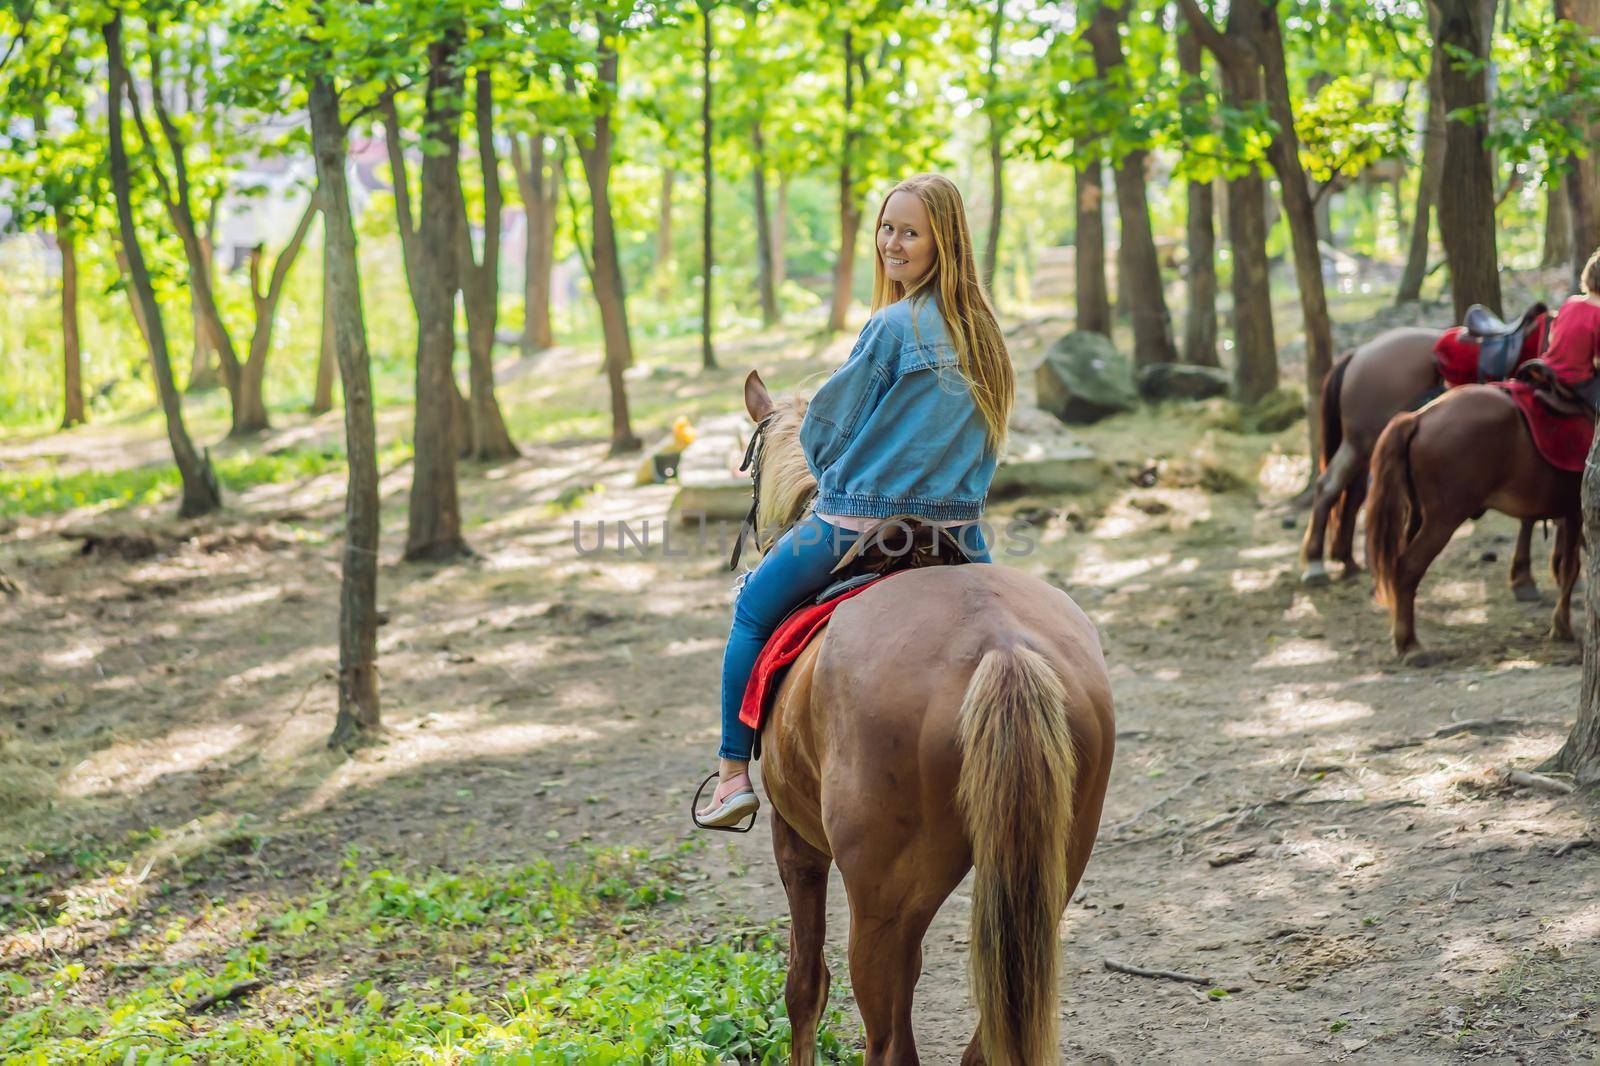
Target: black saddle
x,y
1499,342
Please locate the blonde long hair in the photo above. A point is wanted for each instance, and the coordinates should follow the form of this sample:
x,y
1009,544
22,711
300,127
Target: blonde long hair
x,y
968,315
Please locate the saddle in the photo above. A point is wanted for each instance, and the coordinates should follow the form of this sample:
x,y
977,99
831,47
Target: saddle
x,y
1499,343
899,542
1559,398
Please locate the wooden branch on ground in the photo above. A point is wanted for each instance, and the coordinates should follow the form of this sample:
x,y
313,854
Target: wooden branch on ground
x,y
1164,975
205,1003
1539,782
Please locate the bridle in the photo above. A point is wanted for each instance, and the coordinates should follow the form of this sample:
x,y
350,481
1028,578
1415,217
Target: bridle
x,y
752,462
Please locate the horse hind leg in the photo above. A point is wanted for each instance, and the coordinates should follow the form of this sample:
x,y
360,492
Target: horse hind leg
x,y
1344,536
1523,586
1420,551
804,871
1565,563
1332,486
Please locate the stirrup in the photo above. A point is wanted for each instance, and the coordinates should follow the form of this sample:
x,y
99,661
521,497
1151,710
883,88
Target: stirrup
x,y
694,811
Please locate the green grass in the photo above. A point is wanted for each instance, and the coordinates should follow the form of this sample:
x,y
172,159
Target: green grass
x,y
45,491
539,963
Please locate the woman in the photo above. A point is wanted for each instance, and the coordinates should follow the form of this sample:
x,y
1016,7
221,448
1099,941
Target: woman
x,y
912,423
1573,352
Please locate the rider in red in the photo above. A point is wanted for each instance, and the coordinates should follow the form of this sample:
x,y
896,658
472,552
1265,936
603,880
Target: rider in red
x,y
1574,349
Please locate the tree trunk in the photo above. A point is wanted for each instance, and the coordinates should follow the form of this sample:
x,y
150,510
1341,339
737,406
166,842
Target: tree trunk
x,y
1200,320
1139,287
1583,173
73,413
1295,189
1093,299
1416,268
250,409
844,267
1580,755
663,263
204,372
609,293
327,354
764,264
780,227
358,589
539,200
1466,201
480,285
434,529
200,492
991,246
135,304
1557,246
708,356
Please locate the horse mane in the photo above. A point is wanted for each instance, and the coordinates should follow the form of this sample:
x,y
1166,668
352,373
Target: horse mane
x,y
786,481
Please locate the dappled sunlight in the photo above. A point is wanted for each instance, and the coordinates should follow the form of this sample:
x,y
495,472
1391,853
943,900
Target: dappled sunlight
x,y
1296,652
1096,567
1253,580
228,603
81,653
1286,712
131,765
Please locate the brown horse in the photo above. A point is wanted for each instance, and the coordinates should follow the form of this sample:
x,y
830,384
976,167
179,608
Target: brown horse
x,y
950,718
1363,391
1464,453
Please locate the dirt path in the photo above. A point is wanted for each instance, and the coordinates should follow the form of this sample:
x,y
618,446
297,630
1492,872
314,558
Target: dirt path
x,y
1292,813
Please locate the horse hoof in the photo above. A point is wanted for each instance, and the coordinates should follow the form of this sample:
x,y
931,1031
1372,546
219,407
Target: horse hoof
x,y
1350,573
1316,576
1563,635
1528,593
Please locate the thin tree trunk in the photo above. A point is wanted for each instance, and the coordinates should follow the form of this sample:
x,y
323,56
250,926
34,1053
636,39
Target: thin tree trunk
x,y
1139,286
1580,755
1295,189
1583,173
1467,200
358,714
135,304
849,211
609,293
480,285
1557,245
205,371
1200,320
764,264
663,261
991,247
780,226
539,207
200,492
434,527
1092,295
708,356
327,354
250,410
1428,182
73,412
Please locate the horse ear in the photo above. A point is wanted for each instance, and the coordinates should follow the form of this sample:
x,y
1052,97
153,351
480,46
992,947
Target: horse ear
x,y
757,400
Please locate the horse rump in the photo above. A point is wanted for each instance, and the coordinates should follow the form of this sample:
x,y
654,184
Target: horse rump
x,y
1015,794
1391,507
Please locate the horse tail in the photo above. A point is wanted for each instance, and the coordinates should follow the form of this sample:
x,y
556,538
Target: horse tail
x,y
1390,507
1015,793
1332,417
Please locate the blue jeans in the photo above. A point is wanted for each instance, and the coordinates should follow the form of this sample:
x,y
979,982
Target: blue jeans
x,y
795,569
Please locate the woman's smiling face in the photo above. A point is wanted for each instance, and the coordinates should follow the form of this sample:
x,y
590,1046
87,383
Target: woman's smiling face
x,y
905,239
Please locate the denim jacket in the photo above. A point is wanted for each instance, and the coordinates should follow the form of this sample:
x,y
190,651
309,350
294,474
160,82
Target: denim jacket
x,y
895,430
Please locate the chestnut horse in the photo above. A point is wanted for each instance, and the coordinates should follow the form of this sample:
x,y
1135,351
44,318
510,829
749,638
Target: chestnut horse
x,y
1363,391
946,719
1464,453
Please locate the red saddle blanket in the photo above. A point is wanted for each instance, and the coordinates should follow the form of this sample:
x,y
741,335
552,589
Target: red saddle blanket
x,y
1456,353
1563,440
783,648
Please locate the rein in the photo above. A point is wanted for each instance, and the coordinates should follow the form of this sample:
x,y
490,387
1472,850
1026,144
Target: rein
x,y
752,462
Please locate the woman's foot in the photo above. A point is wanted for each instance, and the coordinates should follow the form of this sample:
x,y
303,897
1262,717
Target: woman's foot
x,y
733,801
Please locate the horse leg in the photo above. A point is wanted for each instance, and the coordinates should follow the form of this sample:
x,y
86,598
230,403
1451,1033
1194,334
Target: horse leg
x,y
1419,553
804,870
1331,486
1569,543
1345,537
1522,583
885,962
